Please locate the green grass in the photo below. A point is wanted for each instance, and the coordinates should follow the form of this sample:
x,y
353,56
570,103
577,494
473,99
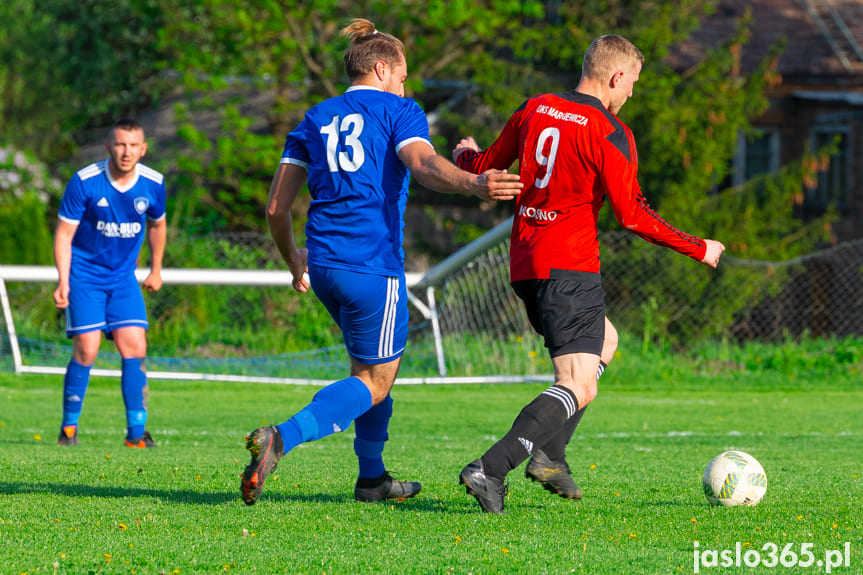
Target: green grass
x,y
638,455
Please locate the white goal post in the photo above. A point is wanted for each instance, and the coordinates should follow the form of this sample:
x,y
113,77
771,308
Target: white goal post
x,y
426,304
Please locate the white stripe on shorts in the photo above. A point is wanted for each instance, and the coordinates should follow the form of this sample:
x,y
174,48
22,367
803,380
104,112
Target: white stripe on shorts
x,y
388,325
564,397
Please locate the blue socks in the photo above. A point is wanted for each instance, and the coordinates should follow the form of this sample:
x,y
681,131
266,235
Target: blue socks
x,y
133,381
371,429
74,388
332,409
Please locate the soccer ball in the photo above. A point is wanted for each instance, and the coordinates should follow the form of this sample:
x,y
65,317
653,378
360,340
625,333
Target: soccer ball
x,y
734,478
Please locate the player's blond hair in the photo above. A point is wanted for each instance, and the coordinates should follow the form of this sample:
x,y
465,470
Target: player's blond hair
x,y
369,46
607,54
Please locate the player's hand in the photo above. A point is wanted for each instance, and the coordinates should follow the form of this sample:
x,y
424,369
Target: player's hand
x,y
299,268
498,185
465,144
713,253
61,296
153,282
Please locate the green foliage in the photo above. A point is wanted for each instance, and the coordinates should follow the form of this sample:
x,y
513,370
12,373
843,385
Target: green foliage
x,y
805,358
497,51
24,235
224,177
26,188
72,66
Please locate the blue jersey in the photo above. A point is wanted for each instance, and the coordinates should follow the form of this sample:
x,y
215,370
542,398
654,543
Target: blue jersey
x,y
111,219
349,147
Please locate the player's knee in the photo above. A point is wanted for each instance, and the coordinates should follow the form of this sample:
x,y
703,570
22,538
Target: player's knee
x,y
380,392
609,344
132,348
586,393
85,355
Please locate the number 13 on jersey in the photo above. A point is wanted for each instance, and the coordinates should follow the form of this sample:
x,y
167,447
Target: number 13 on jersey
x,y
351,126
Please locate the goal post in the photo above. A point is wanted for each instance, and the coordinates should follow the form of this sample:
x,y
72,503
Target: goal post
x,y
245,323
435,354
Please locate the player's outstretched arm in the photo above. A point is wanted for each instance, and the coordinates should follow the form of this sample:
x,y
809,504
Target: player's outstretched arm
x,y
63,260
437,173
287,183
157,237
713,253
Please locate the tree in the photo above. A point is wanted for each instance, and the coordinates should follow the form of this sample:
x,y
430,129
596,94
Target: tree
x,y
72,66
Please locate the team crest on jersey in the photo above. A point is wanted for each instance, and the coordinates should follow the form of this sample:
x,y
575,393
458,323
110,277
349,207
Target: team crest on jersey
x,y
141,205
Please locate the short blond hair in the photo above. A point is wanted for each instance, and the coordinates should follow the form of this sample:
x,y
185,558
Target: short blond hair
x,y
607,54
368,46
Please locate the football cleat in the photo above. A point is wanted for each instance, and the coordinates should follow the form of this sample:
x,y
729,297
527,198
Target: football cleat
x,y
553,475
68,435
265,445
489,491
388,488
143,442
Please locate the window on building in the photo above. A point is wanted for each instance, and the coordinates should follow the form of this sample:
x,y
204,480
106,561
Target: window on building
x,y
832,186
757,154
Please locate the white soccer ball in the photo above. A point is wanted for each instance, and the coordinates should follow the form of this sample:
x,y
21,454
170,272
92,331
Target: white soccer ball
x,y
734,478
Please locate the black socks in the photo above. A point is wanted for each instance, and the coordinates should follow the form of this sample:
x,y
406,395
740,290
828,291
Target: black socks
x,y
539,421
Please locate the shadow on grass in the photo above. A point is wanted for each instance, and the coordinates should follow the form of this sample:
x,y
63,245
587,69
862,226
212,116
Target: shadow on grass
x,y
185,496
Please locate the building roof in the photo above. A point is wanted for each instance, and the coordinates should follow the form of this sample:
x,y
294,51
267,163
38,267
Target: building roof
x,y
824,38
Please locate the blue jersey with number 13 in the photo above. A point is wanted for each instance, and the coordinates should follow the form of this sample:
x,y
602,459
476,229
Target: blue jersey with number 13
x,y
349,147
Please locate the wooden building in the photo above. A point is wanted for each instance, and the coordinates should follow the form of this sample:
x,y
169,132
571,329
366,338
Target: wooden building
x,y
817,99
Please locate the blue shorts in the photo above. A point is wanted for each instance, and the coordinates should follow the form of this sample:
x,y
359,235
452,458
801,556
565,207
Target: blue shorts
x,y
371,310
104,307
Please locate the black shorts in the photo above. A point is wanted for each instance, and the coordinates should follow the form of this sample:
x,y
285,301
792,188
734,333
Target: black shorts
x,y
568,310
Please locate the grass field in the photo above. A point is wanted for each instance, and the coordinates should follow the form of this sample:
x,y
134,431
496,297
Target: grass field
x,y
638,455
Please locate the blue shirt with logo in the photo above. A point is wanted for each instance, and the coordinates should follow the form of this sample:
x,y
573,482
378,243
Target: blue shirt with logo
x,y
349,147
111,219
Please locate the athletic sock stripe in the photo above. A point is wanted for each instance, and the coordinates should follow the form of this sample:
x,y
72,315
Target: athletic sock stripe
x,y
565,397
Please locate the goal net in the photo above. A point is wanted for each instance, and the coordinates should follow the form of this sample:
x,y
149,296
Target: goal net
x,y
235,324
239,319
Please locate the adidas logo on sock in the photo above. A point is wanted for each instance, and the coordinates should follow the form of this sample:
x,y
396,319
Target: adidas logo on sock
x,y
336,428
528,445
103,203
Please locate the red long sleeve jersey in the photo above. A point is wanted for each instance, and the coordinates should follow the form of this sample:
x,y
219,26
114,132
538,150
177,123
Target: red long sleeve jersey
x,y
572,153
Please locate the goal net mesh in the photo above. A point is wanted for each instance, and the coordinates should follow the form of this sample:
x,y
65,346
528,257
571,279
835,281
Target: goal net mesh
x,y
270,331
